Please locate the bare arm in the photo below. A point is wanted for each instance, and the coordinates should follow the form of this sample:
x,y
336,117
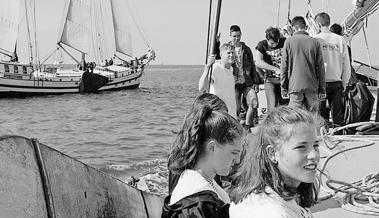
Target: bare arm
x,y
204,79
262,64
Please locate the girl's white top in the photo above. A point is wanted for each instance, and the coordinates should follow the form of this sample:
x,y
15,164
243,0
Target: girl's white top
x,y
269,205
191,182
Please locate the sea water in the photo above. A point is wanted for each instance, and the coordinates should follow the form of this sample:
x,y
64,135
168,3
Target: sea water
x,y
122,133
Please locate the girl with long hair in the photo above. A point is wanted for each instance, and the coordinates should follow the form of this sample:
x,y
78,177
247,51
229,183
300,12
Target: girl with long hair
x,y
205,99
210,141
277,175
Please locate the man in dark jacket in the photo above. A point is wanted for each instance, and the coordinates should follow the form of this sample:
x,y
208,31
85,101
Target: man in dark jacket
x,y
245,77
302,69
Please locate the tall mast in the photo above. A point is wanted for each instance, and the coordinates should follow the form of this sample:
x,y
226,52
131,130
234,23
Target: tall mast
x,y
214,32
29,37
36,51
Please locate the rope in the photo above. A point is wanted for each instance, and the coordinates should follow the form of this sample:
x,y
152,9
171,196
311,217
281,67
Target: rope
x,y
138,25
209,31
289,12
361,196
325,6
277,19
367,47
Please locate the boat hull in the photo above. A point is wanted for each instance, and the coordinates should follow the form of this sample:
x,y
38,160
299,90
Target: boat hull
x,y
38,181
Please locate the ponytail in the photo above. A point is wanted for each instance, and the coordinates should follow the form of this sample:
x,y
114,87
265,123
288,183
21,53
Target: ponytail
x,y
205,124
196,135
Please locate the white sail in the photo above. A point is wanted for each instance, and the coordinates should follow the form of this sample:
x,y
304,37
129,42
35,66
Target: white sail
x,y
121,26
77,32
9,17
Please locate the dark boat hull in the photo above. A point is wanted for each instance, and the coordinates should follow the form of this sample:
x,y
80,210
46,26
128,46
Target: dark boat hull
x,y
38,181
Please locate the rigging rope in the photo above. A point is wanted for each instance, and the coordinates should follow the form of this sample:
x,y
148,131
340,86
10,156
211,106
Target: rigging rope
x,y
289,12
209,31
29,37
138,25
361,196
325,6
366,43
36,50
277,19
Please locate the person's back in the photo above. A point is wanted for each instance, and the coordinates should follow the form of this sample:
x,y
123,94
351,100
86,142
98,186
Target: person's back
x,y
302,68
337,69
335,52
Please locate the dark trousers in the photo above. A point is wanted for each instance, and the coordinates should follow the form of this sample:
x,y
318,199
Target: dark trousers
x,y
273,95
335,99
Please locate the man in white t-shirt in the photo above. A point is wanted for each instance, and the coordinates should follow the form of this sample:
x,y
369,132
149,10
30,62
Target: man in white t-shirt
x,y
222,80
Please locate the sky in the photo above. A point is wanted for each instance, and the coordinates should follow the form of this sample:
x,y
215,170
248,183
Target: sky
x,y
177,29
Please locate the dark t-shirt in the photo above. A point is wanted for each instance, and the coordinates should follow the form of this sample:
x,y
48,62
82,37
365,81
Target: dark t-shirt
x,y
272,56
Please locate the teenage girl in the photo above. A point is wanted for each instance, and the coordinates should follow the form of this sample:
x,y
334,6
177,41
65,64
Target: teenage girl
x,y
213,139
277,175
205,99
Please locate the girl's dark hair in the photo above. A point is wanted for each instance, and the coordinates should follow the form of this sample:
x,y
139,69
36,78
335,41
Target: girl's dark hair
x,y
258,171
214,102
205,99
205,124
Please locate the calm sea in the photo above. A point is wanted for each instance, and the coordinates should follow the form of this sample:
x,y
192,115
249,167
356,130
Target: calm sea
x,y
122,133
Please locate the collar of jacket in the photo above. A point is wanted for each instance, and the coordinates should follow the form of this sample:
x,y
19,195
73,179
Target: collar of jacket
x,y
302,32
203,196
242,43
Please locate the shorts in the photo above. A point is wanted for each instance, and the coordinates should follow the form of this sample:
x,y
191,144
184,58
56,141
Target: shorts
x,y
249,94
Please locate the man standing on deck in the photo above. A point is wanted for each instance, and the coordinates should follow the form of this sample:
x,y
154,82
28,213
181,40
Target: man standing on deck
x,y
337,69
222,81
246,77
302,69
269,55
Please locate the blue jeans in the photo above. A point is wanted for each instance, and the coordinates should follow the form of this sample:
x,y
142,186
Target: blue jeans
x,y
273,94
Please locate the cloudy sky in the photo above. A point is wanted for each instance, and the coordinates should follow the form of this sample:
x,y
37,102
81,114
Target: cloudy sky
x,y
176,29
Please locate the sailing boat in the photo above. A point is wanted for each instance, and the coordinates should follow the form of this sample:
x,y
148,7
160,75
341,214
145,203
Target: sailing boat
x,y
80,31
103,36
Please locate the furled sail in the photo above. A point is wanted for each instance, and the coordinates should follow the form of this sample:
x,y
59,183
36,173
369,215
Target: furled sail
x,y
76,30
9,17
121,26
